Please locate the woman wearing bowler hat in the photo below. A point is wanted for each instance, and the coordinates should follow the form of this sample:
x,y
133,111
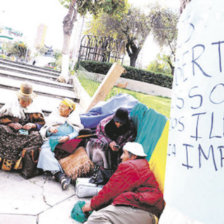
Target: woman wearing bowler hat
x,y
20,122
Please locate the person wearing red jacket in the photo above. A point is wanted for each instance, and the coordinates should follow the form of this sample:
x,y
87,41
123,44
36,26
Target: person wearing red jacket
x,y
132,194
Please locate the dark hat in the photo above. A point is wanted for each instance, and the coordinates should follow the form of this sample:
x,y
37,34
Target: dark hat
x,y
121,115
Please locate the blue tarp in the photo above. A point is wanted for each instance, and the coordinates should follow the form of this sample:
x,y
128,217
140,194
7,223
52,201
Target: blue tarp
x,y
92,118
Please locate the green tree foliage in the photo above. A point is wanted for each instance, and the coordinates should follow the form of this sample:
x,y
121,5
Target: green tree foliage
x,y
160,65
133,27
57,54
58,58
112,7
42,50
164,30
18,49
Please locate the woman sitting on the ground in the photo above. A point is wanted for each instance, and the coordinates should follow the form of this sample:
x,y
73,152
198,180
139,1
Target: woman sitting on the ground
x,y
20,120
112,134
61,126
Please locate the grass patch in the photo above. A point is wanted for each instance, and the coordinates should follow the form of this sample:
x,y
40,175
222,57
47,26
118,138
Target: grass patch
x,y
160,104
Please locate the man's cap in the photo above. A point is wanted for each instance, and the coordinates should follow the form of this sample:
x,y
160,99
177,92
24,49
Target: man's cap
x,y
135,148
121,115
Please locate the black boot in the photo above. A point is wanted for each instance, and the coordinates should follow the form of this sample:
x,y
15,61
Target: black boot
x,y
63,180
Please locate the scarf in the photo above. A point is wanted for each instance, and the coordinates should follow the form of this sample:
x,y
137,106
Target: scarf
x,y
14,109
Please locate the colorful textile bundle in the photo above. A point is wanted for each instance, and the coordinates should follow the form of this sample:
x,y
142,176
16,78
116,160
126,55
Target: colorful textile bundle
x,y
77,213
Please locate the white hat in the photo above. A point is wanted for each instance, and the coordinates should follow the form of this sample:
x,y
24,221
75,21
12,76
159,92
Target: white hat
x,y
135,148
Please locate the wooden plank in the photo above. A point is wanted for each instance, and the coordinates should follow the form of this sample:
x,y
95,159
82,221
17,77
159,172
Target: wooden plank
x,y
110,79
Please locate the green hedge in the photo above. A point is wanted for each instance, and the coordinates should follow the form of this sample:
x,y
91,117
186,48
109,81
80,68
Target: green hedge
x,y
131,73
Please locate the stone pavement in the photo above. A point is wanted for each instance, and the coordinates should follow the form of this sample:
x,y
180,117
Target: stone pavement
x,y
39,200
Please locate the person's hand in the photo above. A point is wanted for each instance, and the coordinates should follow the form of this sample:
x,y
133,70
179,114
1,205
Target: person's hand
x,y
53,130
112,146
15,126
87,207
29,126
64,139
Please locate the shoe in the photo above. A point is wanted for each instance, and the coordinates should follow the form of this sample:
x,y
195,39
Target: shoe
x,y
63,180
47,175
65,183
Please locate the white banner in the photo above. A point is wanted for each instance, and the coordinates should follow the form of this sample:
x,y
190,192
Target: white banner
x,y
195,175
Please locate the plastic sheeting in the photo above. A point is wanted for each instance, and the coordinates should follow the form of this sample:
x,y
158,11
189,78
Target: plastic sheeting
x,y
104,109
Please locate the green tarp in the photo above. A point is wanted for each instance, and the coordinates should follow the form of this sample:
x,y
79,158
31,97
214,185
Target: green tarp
x,y
150,125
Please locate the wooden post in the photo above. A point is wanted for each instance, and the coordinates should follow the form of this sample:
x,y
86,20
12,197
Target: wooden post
x,y
110,79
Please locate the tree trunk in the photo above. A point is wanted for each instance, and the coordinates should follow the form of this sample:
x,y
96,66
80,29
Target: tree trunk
x,y
68,23
65,58
171,65
172,69
133,59
183,4
133,52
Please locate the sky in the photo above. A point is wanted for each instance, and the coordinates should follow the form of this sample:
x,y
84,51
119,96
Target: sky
x,y
26,15
166,3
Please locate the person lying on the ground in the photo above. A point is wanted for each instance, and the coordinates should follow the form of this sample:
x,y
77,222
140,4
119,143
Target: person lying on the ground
x,y
132,194
20,121
112,133
61,126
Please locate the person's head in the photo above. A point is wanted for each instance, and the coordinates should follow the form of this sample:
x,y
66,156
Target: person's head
x,y
25,94
66,106
132,150
120,117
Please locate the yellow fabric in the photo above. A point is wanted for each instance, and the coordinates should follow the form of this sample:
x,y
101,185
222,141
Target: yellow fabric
x,y
68,103
157,161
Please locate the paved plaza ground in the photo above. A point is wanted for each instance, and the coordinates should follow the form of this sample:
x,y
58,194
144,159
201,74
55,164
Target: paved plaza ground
x,y
39,200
